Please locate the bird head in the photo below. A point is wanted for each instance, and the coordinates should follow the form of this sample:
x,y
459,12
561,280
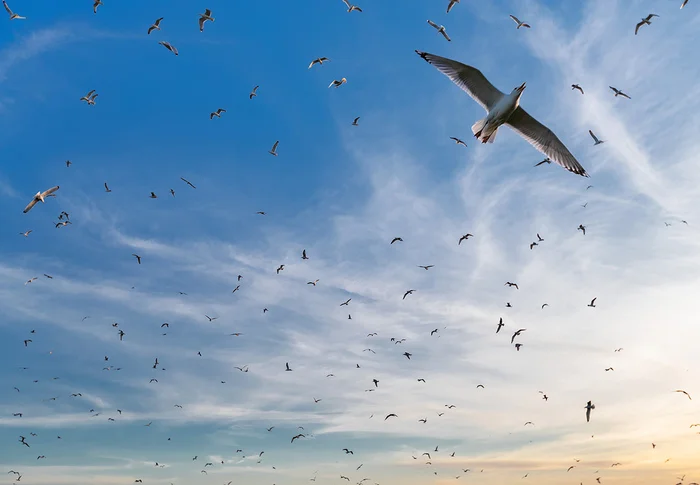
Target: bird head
x,y
519,90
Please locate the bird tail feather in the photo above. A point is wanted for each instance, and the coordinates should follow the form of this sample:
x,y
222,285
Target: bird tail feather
x,y
478,126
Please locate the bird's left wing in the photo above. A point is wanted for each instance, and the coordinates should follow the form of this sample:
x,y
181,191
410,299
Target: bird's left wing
x,y
470,79
50,191
544,140
29,206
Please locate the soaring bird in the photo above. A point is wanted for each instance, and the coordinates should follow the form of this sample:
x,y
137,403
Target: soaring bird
x,y
138,258
188,182
303,254
500,324
354,122
453,2
203,17
589,406
96,4
520,24
458,141
217,113
253,93
517,333
40,197
319,61
338,83
396,239
169,47
546,160
427,267
273,151
576,86
464,238
155,26
440,29
595,138
351,7
618,92
107,189
89,98
14,16
685,2
592,303
392,415
645,21
504,109
687,395
409,292
582,228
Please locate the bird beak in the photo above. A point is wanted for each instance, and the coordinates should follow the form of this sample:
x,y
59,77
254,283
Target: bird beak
x,y
522,87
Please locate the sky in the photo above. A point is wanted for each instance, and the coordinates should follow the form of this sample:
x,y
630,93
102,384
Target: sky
x,y
343,193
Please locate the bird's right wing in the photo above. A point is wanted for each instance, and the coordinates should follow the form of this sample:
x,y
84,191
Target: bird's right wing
x,y
470,79
433,24
7,7
29,206
544,140
515,19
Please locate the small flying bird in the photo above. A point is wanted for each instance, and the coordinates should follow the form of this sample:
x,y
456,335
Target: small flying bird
x,y
287,368
576,86
154,196
236,289
41,197
432,332
517,21
217,113
203,17
300,435
392,415
303,254
533,244
26,233
155,26
589,407
546,160
517,333
464,238
187,182
440,29
96,4
451,4
319,61
570,468
504,109
172,192
253,93
396,239
348,452
14,16
595,138
619,93
211,319
511,285
312,282
409,292
582,228
500,325
337,84
354,122
544,305
281,267
687,395
517,347
458,141
274,148
408,356
645,21
345,303
609,369
138,258
169,47
427,267
27,342
592,303
351,7
107,189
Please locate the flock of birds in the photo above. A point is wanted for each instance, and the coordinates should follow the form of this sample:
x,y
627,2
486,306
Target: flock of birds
x,y
501,109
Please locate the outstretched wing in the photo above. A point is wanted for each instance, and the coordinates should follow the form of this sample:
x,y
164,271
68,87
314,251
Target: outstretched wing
x,y
30,205
544,140
50,191
470,79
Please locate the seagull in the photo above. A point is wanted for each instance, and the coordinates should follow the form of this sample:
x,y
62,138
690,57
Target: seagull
x,y
546,160
520,24
26,234
645,21
589,406
155,26
188,182
253,93
396,239
89,98
107,189
592,303
517,334
138,258
440,29
582,228
169,47
303,254
338,83
595,138
274,148
96,4
351,7
154,196
203,17
40,197
281,267
217,113
504,109
319,61
409,292
14,16
688,395
464,238
287,368
354,122
427,267
453,2
618,92
576,86
458,141
500,324
511,284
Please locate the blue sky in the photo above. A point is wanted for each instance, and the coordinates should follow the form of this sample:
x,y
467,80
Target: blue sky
x,y
343,192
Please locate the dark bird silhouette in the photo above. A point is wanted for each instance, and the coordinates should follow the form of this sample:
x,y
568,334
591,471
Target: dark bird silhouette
x,y
392,415
396,239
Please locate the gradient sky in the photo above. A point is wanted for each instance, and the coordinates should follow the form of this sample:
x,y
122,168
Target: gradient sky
x,y
343,192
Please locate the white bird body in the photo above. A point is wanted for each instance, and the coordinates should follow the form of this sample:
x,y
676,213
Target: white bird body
x,y
502,109
40,197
